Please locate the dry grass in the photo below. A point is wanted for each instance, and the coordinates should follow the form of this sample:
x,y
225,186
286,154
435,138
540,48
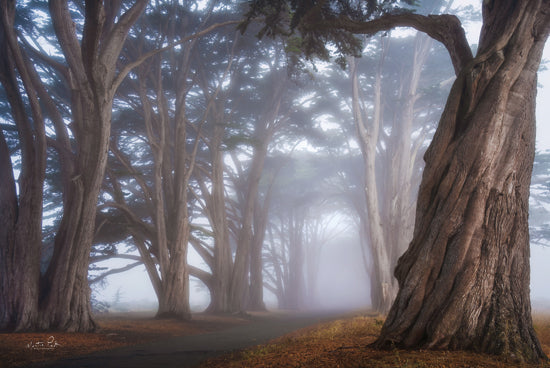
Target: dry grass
x,y
344,343
541,322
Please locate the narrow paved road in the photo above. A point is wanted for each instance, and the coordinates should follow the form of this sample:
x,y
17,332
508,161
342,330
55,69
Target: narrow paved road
x,y
189,351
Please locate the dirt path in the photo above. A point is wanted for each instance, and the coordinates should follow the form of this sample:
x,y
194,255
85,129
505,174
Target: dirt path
x,y
189,351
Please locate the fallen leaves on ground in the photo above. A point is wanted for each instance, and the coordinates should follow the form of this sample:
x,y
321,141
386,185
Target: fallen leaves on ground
x,y
341,343
21,349
345,343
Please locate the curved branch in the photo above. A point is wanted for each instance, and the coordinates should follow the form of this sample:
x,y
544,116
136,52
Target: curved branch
x,y
62,69
202,251
115,271
130,215
202,275
66,34
444,28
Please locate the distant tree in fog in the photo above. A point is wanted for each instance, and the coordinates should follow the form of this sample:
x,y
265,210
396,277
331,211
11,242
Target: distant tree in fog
x,y
251,114
388,107
162,109
300,223
395,105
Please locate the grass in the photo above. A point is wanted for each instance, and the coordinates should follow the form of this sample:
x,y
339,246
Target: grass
x,y
344,343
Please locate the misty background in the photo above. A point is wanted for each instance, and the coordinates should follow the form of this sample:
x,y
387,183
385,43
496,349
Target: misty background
x,y
342,279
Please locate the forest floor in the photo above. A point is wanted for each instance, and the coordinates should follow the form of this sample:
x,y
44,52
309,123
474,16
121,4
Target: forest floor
x,y
345,343
115,331
338,343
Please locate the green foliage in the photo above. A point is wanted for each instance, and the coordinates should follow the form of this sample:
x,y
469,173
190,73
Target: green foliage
x,y
314,24
294,45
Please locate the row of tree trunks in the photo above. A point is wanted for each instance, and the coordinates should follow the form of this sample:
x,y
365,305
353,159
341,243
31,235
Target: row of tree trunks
x,y
167,197
244,264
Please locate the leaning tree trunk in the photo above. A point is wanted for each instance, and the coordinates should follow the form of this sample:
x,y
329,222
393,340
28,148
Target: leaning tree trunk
x,y
464,281
65,292
91,61
20,207
239,279
60,299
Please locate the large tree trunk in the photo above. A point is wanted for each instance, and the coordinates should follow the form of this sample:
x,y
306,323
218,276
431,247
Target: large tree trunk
x,y
65,294
60,300
21,208
464,281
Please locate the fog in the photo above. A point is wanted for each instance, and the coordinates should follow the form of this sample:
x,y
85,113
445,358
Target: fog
x,y
341,278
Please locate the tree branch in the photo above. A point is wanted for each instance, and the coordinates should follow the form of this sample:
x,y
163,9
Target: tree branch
x,y
127,68
111,50
121,256
444,28
115,271
202,275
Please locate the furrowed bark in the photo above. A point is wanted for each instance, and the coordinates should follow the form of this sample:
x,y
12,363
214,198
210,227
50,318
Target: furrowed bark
x,y
464,281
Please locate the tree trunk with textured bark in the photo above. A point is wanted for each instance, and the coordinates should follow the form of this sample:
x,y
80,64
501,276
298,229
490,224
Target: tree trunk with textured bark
x,y
464,281
21,213
60,299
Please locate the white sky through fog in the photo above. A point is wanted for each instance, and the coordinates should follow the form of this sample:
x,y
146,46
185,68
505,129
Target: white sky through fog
x,y
139,288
